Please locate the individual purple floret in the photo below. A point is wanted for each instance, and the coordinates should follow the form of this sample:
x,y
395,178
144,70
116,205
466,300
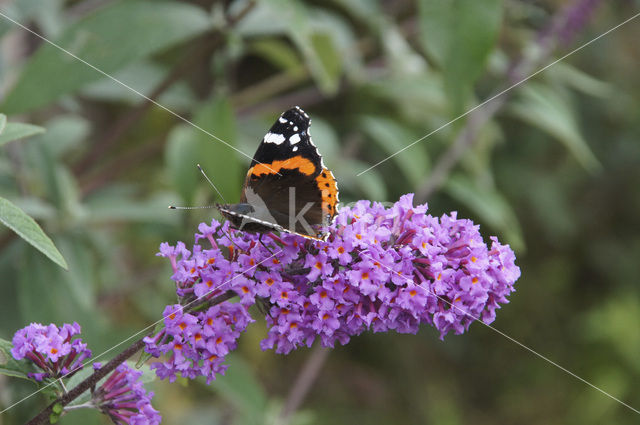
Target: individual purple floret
x,y
51,349
123,398
381,269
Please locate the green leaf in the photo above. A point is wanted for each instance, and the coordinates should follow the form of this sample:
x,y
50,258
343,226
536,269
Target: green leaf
x,y
80,279
546,108
310,32
460,35
65,135
10,366
392,137
144,76
326,62
490,205
119,203
371,184
108,39
221,162
15,130
188,147
14,218
278,52
181,156
564,73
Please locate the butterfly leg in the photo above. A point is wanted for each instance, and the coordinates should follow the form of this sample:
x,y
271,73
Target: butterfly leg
x,y
263,244
228,234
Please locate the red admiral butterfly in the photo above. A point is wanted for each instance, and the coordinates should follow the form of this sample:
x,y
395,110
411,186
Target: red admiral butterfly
x,y
287,187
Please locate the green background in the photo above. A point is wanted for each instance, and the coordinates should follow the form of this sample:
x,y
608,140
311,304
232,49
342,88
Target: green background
x,y
555,172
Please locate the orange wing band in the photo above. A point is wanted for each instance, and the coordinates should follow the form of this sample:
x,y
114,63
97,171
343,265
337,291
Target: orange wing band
x,y
298,162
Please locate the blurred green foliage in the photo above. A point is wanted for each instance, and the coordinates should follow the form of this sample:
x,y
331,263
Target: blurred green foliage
x,y
555,172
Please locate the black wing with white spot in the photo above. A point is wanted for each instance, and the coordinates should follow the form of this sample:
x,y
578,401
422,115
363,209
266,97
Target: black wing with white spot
x,y
288,138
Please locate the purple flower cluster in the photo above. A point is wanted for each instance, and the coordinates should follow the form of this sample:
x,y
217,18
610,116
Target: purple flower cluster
x,y
197,343
51,349
381,269
123,398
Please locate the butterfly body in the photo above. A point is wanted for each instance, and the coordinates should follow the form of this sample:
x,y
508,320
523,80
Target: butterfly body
x,y
287,187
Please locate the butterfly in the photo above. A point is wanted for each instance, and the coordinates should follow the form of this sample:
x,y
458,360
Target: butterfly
x,y
287,187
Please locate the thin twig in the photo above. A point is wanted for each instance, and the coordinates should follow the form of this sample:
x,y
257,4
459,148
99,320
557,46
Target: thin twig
x,y
129,118
303,383
107,173
43,416
92,380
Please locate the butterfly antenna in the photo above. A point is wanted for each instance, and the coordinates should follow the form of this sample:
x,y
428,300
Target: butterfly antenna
x,y
211,183
173,207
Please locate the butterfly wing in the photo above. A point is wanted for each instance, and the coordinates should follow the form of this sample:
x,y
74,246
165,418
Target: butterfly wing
x,y
287,177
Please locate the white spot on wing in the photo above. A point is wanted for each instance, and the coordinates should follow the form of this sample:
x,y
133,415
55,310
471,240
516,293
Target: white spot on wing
x,y
274,138
295,148
294,139
282,120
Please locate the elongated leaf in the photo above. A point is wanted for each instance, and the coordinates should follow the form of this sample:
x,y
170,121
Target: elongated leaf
x,y
460,35
490,205
371,184
14,218
181,158
326,59
11,131
311,33
144,76
547,109
8,365
109,39
188,147
278,53
221,162
392,137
